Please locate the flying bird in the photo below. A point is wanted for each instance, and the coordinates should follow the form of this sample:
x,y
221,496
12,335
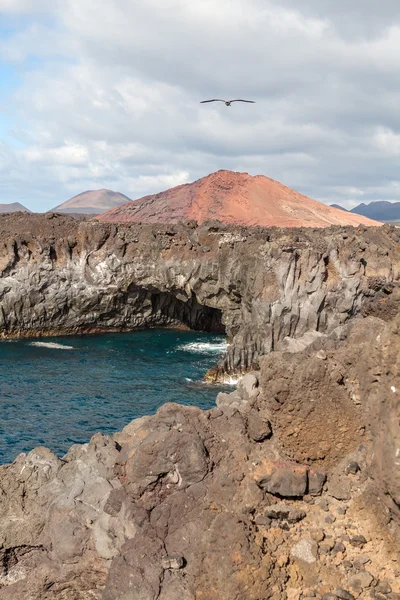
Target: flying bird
x,y
227,102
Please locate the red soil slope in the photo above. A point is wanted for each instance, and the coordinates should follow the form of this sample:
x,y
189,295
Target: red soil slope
x,y
236,198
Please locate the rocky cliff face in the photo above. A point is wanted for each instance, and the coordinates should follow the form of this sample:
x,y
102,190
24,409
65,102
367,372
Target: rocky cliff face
x,y
288,490
58,275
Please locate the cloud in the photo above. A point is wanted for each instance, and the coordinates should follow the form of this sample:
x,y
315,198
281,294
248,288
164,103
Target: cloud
x,y
109,96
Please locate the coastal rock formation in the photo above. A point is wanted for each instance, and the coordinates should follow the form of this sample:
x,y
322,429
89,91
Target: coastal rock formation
x,y
197,505
261,286
235,199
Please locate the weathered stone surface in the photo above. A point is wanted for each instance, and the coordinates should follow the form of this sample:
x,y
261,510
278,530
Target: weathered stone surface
x,y
257,427
361,581
282,479
285,512
305,550
316,480
247,386
173,562
358,541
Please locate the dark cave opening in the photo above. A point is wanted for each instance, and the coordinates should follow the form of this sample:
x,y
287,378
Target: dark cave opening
x,y
169,310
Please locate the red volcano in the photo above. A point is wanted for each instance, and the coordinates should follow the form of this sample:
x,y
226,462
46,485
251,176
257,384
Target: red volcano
x,y
234,198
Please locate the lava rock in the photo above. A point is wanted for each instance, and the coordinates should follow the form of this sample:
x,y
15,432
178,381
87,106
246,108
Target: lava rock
x,y
172,562
316,481
285,512
247,386
358,541
257,428
282,479
352,468
361,581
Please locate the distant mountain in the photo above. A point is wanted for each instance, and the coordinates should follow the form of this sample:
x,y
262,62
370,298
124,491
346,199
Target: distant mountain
x,y
233,198
92,202
13,207
338,206
381,210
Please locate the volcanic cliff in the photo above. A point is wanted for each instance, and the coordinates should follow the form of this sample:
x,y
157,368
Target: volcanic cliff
x,y
289,489
233,198
59,275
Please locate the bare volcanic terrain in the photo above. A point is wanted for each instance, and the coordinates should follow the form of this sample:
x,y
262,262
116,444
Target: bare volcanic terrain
x,y
237,199
92,201
289,489
13,207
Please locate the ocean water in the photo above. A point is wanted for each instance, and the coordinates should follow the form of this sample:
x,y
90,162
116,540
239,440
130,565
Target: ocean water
x,y
60,391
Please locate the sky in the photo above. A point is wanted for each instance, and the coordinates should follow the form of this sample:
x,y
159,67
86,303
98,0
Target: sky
x,y
107,95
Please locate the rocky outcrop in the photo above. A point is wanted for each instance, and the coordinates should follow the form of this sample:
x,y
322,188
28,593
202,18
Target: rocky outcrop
x,y
287,490
60,276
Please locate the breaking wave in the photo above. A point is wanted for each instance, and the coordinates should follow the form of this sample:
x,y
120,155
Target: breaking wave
x,y
204,347
52,345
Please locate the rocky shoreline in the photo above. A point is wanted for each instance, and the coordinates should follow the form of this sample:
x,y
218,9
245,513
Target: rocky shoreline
x,y
288,489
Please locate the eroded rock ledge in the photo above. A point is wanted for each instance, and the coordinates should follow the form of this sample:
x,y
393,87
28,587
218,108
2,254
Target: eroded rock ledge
x,y
60,276
289,489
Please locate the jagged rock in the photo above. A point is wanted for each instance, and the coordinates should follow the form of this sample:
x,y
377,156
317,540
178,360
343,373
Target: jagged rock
x,y
289,480
233,401
282,479
285,512
316,480
257,428
289,344
247,387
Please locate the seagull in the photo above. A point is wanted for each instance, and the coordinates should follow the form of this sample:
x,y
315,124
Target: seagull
x,y
227,102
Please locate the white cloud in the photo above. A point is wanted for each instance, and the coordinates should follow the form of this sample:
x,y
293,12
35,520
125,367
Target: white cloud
x,y
113,97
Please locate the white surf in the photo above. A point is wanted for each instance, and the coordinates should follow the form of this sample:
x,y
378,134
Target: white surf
x,y
204,347
52,345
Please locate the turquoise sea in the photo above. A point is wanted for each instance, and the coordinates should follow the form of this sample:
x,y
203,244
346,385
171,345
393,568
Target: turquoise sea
x,y
60,391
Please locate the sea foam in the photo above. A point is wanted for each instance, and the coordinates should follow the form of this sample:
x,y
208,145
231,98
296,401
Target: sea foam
x,y
52,345
204,347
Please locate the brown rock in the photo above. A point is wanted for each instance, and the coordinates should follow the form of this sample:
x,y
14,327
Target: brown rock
x,y
282,479
362,581
316,480
257,428
358,541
